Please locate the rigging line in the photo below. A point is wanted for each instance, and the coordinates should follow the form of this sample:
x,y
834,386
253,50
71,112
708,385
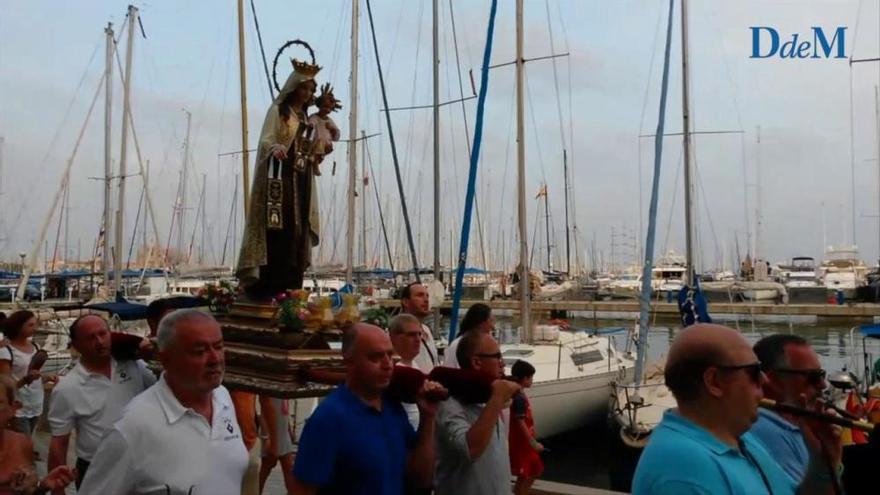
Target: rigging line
x,y
379,207
338,39
650,73
219,168
742,145
727,73
229,222
407,155
472,175
673,200
645,296
137,147
137,221
64,202
61,126
65,180
394,44
467,136
856,31
199,211
507,152
555,74
201,108
453,155
535,130
262,51
571,187
534,243
708,213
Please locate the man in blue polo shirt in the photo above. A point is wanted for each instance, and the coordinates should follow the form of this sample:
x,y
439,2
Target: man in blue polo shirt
x,y
357,441
704,447
793,374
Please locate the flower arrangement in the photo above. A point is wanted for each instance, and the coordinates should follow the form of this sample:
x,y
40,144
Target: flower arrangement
x,y
375,314
293,309
219,295
348,314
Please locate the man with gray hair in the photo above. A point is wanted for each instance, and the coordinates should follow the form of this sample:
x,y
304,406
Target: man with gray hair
x,y
406,337
181,435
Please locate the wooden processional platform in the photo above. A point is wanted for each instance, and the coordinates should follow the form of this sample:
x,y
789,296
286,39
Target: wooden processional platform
x,y
262,358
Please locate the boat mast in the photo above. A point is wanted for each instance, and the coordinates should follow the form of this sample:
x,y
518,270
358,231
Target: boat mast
x,y
144,232
364,201
686,143
567,230
181,207
877,117
435,68
758,220
521,181
2,224
547,225
108,161
119,242
352,146
242,78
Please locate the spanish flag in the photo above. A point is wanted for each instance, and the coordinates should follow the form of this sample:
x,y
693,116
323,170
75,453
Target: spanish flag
x,y
542,191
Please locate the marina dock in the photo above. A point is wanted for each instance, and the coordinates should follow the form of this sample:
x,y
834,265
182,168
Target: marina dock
x,y
589,308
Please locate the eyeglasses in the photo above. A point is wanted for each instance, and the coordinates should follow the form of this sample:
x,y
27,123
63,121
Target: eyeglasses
x,y
753,370
496,355
815,376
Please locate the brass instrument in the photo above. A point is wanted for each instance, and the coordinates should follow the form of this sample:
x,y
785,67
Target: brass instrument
x,y
821,416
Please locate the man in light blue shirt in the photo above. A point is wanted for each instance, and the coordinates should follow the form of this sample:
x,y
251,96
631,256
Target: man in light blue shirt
x,y
703,447
793,374
784,441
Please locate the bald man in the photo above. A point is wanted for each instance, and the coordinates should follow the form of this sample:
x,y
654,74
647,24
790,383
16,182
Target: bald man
x,y
703,446
92,396
359,442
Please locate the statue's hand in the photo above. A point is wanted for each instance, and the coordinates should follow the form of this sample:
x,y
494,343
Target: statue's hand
x,y
278,151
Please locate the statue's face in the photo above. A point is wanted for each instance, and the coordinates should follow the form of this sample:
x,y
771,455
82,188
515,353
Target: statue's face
x,y
325,105
304,92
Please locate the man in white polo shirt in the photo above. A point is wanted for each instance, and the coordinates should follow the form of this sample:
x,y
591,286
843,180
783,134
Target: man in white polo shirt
x,y
414,300
181,435
92,396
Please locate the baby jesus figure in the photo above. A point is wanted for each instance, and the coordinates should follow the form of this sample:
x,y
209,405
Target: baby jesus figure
x,y
325,131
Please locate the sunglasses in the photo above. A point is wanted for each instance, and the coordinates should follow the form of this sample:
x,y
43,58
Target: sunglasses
x,y
753,370
814,376
496,355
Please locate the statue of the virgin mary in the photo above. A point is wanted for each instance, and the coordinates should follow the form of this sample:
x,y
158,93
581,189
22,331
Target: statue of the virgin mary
x,y
282,224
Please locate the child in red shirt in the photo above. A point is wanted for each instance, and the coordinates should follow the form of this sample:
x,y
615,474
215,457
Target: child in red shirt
x,y
525,461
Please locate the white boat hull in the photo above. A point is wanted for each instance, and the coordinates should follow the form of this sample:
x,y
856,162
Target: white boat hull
x,y
574,376
564,405
760,294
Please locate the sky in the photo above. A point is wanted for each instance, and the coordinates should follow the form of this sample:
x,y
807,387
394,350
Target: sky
x,y
779,180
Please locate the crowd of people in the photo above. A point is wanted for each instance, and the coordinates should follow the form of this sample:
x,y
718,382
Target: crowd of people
x,y
183,432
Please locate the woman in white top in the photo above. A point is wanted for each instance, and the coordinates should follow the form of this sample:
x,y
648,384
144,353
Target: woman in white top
x,y
15,360
478,317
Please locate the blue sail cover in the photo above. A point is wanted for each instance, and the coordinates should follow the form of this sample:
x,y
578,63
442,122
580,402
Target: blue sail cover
x,y
692,305
871,330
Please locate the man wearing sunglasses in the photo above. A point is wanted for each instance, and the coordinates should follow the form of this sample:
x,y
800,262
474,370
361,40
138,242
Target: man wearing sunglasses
x,y
794,375
704,445
472,454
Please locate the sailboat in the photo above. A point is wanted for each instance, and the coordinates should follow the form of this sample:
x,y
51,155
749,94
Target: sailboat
x,y
638,407
574,369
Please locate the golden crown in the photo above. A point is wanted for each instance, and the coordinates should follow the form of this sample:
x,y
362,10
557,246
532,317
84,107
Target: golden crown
x,y
305,68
